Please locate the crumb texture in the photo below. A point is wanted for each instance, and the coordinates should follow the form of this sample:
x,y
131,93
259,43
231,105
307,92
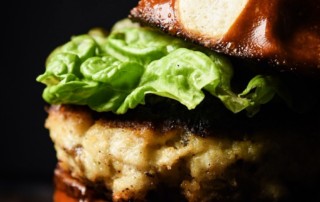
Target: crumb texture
x,y
133,160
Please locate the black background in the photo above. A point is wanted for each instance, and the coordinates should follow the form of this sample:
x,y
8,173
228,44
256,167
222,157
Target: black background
x,y
30,31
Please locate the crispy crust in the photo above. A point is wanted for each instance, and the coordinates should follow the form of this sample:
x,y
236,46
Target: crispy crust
x,y
285,33
254,164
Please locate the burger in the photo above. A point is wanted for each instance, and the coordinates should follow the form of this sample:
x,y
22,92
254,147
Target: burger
x,y
189,101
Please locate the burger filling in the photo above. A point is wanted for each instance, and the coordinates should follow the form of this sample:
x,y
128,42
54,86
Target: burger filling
x,y
133,157
136,110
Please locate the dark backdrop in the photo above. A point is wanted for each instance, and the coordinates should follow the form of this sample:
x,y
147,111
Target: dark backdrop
x,y
30,31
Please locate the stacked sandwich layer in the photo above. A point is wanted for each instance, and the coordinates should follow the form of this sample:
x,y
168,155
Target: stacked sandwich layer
x,y
138,115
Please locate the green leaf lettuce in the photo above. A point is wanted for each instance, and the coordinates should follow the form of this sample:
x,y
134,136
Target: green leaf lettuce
x,y
116,72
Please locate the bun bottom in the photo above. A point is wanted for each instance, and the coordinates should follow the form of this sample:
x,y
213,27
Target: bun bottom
x,y
69,189
62,197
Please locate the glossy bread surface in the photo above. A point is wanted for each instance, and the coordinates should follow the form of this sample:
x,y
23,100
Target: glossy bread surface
x,y
285,33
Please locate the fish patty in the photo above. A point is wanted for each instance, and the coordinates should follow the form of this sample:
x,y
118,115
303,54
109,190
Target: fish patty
x,y
131,157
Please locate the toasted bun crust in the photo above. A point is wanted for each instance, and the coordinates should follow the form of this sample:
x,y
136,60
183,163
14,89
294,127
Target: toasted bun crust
x,y
285,33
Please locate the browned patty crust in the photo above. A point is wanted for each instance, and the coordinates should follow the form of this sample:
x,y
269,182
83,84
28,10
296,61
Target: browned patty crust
x,y
269,158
